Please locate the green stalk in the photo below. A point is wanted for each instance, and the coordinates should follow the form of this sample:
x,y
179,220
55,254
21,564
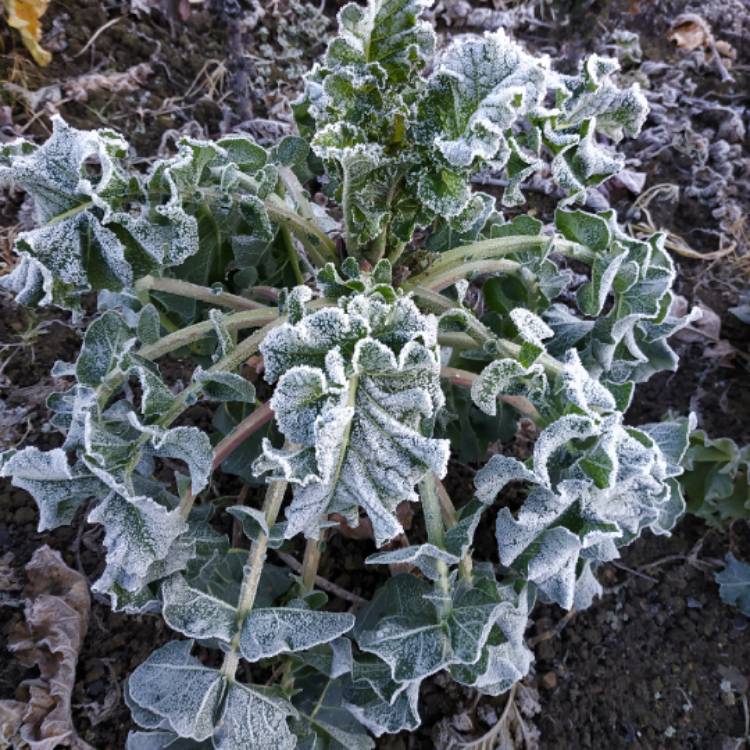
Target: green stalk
x,y
483,250
450,518
193,291
249,589
437,280
433,522
318,244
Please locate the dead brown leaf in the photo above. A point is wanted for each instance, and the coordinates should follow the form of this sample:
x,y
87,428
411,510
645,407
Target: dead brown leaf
x,y
690,31
57,611
26,15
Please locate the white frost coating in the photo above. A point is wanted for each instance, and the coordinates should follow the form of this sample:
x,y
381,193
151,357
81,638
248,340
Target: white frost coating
x,y
272,631
175,686
47,476
137,533
382,716
506,377
424,556
195,613
531,328
357,424
498,472
106,345
555,436
253,719
505,659
487,83
224,386
581,389
188,444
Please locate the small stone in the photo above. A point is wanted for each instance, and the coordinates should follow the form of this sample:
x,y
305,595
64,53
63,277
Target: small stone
x,y
549,680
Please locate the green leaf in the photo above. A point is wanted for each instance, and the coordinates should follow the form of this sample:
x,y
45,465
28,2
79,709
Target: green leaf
x,y
272,631
734,583
58,489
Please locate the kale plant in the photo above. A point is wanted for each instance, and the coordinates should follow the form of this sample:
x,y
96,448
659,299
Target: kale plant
x,y
410,320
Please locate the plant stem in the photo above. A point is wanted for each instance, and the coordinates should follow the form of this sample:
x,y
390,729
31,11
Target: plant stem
x,y
291,252
438,280
185,336
450,518
433,522
194,291
310,563
261,415
254,568
483,250
318,244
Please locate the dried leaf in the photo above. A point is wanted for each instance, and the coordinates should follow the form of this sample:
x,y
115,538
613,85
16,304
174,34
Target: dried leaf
x,y
25,15
57,617
690,31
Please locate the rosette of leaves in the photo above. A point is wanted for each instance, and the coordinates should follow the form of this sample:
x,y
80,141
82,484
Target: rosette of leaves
x,y
402,146
357,392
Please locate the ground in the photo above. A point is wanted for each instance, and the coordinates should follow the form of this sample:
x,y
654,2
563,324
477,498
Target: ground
x,y
644,667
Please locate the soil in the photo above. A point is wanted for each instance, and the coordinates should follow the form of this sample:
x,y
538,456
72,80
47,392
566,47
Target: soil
x,y
644,667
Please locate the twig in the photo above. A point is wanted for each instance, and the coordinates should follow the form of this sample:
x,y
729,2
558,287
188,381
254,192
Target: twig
x,y
320,582
552,632
634,572
96,35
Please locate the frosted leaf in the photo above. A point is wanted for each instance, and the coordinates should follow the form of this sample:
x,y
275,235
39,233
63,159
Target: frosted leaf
x,y
580,389
425,557
272,631
175,686
333,659
366,178
30,282
505,659
253,720
324,721
498,472
557,435
586,588
387,32
505,377
479,87
137,533
156,398
224,386
58,489
71,242
593,95
417,633
734,583
105,346
188,444
254,524
194,613
531,328
358,418
379,703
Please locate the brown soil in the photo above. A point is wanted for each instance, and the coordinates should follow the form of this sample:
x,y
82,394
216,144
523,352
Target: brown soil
x,y
643,667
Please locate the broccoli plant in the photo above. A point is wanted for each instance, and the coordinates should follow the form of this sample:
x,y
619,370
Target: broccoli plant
x,y
411,320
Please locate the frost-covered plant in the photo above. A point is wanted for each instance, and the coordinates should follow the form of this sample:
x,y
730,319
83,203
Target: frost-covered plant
x,y
410,321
